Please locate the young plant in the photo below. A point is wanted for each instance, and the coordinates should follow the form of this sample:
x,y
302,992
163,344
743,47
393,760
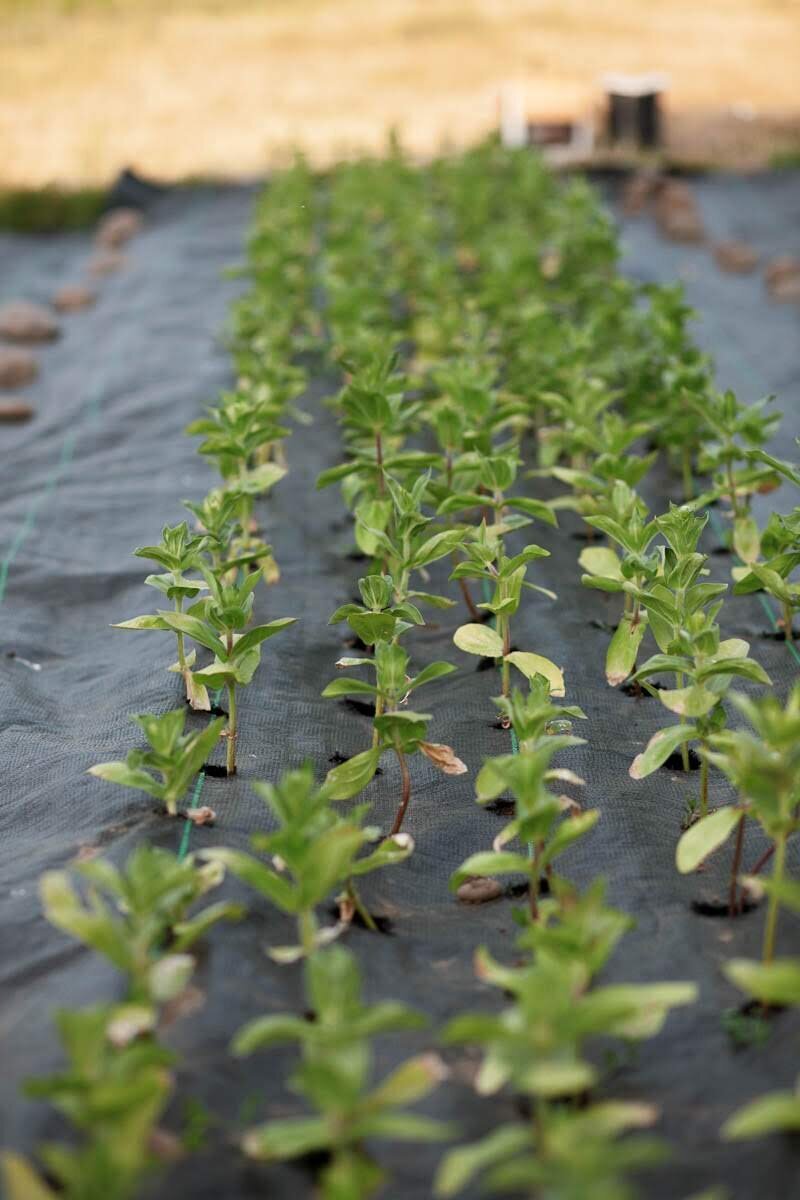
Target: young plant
x,y
764,767
395,729
139,918
536,1046
735,476
312,852
776,983
538,726
113,1091
218,622
378,618
167,769
334,1078
682,611
228,545
780,546
625,524
178,552
486,559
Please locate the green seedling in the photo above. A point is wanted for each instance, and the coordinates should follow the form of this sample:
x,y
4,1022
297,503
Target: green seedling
x,y
486,559
178,552
167,769
526,775
536,1046
609,462
237,434
218,622
395,729
229,546
376,417
311,854
113,1091
682,612
773,984
566,1155
780,546
625,524
378,618
335,1079
735,475
764,767
139,918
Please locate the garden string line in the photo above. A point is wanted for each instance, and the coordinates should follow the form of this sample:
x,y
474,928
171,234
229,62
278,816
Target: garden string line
x,y
183,848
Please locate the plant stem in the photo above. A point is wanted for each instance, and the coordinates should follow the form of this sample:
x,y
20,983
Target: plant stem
x,y
405,795
231,740
308,930
379,461
686,469
379,702
179,636
505,633
787,621
774,903
684,746
533,888
703,786
360,907
733,900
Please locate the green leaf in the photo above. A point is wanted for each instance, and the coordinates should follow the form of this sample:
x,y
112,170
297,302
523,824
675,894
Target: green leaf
x,y
436,547
196,630
436,670
479,639
20,1180
777,982
405,1127
777,1112
623,649
279,1140
702,838
351,777
746,538
460,1166
256,875
149,621
432,599
254,637
535,664
692,701
125,776
569,831
559,1078
410,1082
602,561
490,862
391,850
533,508
746,668
267,1031
258,480
345,686
659,748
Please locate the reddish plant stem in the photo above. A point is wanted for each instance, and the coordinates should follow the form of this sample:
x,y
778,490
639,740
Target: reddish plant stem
x,y
405,795
733,898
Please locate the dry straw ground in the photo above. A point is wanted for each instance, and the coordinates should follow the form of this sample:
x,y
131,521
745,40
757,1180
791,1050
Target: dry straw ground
x,y
192,87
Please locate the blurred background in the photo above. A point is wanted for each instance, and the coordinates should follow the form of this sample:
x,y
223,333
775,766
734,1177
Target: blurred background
x,y
189,89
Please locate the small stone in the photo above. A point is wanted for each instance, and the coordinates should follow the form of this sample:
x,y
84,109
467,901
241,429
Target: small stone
x,y
73,298
12,411
21,321
677,214
479,891
735,256
118,227
637,194
17,368
106,263
784,267
782,278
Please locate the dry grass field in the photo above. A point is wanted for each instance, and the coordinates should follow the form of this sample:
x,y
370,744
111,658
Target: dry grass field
x,y
182,88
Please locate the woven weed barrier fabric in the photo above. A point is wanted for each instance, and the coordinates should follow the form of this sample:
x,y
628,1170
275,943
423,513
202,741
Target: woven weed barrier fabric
x,y
100,470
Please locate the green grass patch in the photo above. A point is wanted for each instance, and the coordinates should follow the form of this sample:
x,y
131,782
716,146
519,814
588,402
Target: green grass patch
x,y
49,210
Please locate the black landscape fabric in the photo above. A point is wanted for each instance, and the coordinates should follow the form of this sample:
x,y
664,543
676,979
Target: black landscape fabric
x,y
99,470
